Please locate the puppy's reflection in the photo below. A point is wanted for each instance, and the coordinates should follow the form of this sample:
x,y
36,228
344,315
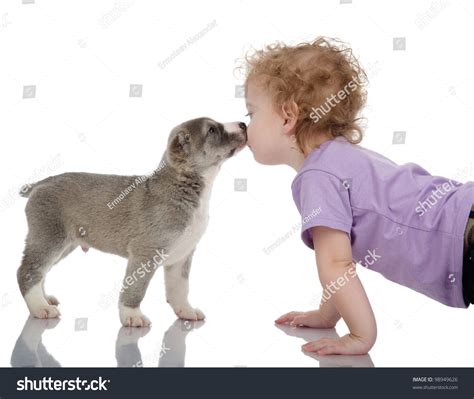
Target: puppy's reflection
x,y
127,352
174,341
29,350
313,334
173,347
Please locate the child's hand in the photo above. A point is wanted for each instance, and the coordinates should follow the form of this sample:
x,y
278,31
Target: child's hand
x,y
349,344
312,319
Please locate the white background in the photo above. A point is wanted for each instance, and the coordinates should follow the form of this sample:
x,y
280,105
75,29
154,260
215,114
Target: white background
x,y
82,57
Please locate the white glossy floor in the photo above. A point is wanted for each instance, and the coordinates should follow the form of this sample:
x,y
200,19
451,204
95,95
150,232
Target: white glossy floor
x,y
241,299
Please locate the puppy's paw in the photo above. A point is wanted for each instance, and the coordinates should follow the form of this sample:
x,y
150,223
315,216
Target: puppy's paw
x,y
52,300
188,313
136,321
39,306
45,312
133,317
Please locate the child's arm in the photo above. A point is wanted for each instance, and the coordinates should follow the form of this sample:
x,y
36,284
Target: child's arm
x,y
339,279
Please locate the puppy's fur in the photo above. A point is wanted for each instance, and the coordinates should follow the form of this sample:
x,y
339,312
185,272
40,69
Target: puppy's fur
x,y
152,221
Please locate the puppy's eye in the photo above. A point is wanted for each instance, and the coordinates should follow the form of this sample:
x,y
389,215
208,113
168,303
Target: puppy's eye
x,y
212,130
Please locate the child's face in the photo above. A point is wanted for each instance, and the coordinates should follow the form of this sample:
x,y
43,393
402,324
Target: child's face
x,y
267,137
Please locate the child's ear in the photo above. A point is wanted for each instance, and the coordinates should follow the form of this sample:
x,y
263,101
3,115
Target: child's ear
x,y
290,115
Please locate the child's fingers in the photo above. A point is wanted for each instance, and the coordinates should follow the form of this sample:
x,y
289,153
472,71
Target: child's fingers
x,y
287,317
300,320
283,319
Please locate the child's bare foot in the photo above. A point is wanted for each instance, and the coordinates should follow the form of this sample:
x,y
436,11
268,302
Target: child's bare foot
x,y
312,319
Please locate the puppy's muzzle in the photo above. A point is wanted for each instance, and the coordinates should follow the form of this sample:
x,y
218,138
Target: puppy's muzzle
x,y
240,130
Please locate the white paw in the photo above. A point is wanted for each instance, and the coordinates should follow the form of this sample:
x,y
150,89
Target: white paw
x,y
39,306
188,313
52,300
45,312
133,317
136,321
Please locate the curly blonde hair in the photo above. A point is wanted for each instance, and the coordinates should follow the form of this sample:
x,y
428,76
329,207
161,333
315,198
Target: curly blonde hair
x,y
308,75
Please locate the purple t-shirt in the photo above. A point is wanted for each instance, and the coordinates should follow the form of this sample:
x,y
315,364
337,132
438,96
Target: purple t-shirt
x,y
402,222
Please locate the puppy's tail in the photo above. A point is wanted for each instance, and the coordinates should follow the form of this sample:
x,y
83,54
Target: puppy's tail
x,y
26,189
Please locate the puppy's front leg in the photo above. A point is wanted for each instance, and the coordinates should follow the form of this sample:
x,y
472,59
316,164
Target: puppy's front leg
x,y
135,283
177,289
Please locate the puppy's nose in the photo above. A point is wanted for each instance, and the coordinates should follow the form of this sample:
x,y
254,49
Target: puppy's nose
x,y
243,126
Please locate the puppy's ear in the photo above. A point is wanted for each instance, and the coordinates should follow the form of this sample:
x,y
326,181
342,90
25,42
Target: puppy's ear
x,y
181,143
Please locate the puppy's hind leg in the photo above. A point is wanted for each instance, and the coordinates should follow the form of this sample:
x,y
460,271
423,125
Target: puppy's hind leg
x,y
135,283
38,257
51,299
177,290
46,243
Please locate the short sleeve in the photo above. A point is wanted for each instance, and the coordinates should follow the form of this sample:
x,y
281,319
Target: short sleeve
x,y
322,200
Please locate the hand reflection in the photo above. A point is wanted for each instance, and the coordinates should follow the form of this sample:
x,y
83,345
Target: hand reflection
x,y
312,334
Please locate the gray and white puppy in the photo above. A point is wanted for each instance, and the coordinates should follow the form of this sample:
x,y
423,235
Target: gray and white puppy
x,y
152,221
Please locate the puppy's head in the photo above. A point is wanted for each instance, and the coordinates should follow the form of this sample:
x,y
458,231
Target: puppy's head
x,y
201,143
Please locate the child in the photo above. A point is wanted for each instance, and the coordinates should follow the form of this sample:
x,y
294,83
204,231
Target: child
x,y
356,205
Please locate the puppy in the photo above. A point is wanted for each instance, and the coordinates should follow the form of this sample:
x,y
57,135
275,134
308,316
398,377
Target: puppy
x,y
154,220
